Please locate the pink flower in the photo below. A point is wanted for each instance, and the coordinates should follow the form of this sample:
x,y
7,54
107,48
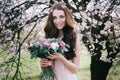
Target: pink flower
x,y
45,42
62,44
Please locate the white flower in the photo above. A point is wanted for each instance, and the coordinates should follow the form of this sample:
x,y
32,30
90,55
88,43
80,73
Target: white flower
x,y
54,45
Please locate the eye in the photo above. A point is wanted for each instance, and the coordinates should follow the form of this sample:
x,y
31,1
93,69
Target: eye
x,y
62,16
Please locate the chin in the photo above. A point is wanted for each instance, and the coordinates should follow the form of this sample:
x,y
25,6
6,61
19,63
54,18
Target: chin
x,y
60,28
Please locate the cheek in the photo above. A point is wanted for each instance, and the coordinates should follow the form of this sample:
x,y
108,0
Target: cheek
x,y
64,21
54,21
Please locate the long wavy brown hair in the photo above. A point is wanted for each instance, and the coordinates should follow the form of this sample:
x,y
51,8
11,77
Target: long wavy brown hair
x,y
68,31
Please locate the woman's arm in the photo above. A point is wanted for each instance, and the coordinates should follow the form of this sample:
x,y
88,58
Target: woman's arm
x,y
71,66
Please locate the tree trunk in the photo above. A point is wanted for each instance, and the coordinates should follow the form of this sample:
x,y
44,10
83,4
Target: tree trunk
x,y
99,69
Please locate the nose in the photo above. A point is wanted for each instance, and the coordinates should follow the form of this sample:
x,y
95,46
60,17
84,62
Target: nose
x,y
57,20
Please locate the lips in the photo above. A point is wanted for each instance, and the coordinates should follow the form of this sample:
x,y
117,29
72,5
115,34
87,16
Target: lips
x,y
59,25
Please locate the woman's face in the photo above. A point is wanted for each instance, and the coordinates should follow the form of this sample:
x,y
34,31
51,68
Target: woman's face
x,y
59,18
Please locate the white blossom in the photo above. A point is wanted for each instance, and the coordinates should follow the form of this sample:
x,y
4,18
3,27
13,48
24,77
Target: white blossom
x,y
54,45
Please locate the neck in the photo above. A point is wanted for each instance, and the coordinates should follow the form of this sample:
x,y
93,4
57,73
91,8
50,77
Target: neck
x,y
60,33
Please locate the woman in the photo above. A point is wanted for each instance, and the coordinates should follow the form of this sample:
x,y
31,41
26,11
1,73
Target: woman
x,y
60,24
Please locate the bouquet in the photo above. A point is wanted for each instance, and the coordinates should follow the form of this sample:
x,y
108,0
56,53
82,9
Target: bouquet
x,y
41,48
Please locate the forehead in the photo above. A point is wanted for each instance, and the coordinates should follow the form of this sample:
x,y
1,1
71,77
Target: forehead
x,y
58,12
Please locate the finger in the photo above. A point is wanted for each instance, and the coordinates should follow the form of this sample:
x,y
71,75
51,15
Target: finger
x,y
49,63
50,54
44,64
50,57
44,59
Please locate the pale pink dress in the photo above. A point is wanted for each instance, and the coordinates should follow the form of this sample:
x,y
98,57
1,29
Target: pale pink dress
x,y
62,73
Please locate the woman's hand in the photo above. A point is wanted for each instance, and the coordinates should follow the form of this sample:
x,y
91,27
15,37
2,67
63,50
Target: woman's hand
x,y
45,62
57,56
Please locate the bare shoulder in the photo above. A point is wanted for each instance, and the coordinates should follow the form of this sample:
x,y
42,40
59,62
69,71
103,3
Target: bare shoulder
x,y
77,35
76,31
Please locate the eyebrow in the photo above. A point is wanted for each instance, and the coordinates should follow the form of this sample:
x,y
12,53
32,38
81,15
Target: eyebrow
x,y
59,15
